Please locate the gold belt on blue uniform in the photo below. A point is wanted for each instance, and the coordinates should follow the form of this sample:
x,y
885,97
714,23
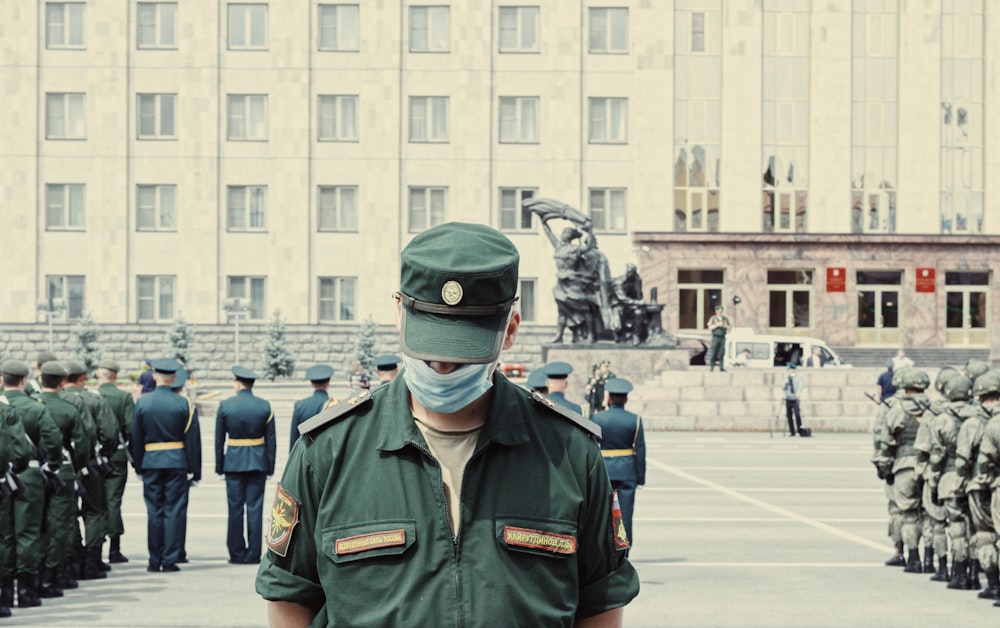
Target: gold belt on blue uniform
x,y
617,453
246,442
174,444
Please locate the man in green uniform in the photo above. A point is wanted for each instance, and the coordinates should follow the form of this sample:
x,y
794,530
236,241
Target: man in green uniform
x,y
17,453
45,451
452,496
6,451
77,447
94,502
719,325
122,405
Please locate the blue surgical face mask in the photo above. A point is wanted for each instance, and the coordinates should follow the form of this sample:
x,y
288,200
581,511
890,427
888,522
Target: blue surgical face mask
x,y
446,392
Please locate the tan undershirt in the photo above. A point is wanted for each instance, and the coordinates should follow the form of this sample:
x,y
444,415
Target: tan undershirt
x,y
452,450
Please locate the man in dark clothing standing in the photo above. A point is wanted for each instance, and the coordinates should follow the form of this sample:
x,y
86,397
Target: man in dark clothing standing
x,y
885,387
718,325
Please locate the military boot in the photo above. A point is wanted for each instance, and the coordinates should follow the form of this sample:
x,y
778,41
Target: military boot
x,y
992,590
65,581
913,562
974,569
7,591
4,611
91,566
47,586
115,553
941,575
959,575
929,560
897,560
27,591
99,553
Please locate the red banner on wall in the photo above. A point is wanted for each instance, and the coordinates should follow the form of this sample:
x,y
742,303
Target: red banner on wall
x,y
925,280
836,280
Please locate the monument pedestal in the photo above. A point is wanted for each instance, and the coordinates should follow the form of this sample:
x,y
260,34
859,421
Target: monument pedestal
x,y
636,364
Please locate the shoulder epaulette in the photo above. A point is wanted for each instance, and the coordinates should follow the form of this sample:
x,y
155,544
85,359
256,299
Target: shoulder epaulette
x,y
588,425
334,412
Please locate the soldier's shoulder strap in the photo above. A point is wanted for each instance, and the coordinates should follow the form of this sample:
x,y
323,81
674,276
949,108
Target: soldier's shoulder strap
x,y
577,419
335,412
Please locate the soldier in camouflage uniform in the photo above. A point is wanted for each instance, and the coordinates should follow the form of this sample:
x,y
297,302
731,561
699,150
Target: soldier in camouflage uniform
x,y
943,479
986,390
988,468
883,467
902,422
45,449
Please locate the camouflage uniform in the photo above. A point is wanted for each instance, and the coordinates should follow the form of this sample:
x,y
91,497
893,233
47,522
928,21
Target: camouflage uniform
x,y
988,470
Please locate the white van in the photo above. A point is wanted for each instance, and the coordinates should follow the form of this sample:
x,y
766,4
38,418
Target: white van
x,y
768,351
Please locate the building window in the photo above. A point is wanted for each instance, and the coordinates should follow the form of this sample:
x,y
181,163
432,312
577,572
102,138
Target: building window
x,y
70,288
338,118
429,29
246,207
156,208
513,216
155,298
526,302
64,206
609,30
697,117
962,116
519,119
428,118
247,26
874,120
65,116
518,29
697,31
789,296
64,23
967,307
252,288
427,207
785,127
608,120
339,27
338,208
337,299
699,292
156,116
156,25
607,209
247,117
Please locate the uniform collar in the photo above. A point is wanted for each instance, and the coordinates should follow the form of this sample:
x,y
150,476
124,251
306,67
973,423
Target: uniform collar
x,y
504,426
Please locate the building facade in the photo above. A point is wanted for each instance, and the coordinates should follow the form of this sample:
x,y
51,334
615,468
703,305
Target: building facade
x,y
162,157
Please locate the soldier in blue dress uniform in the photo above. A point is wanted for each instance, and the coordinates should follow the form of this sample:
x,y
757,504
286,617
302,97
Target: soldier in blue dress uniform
x,y
386,368
166,450
319,376
557,382
246,424
623,446
537,382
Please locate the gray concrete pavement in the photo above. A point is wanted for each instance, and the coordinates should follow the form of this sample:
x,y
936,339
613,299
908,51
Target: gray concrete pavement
x,y
732,529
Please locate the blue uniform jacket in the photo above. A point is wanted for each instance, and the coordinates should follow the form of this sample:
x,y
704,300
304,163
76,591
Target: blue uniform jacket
x,y
306,409
245,417
561,399
619,430
161,420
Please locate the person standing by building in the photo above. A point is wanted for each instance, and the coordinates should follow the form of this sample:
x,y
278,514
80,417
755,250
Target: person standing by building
x,y
901,361
166,450
146,380
358,380
405,508
319,376
623,446
122,405
45,441
792,388
245,423
719,326
386,369
884,387
557,381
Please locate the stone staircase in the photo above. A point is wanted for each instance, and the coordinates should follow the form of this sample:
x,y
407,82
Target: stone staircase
x,y
929,357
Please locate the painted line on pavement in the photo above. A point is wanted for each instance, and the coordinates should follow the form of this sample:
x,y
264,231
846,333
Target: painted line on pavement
x,y
771,508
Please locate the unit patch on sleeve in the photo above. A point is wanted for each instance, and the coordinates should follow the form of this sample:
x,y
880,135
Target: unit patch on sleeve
x,y
284,516
537,539
618,524
375,540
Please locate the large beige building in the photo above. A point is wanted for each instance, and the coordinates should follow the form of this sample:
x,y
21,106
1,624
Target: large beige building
x,y
159,157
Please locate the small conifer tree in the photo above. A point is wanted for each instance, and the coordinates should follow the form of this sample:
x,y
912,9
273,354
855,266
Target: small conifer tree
x,y
278,360
180,337
366,345
83,342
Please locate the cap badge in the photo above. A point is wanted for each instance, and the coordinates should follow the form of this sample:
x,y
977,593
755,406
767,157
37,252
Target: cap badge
x,y
451,292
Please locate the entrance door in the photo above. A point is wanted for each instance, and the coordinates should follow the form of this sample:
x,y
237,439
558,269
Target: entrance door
x,y
878,315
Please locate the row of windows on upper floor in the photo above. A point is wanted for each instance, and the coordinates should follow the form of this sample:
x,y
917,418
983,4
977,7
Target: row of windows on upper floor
x,y
339,27
336,298
337,118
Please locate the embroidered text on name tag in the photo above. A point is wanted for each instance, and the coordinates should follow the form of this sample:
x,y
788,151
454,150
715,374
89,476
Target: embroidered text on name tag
x,y
375,540
536,539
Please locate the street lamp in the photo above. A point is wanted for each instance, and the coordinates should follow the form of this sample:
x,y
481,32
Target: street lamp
x,y
236,307
52,309
736,301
